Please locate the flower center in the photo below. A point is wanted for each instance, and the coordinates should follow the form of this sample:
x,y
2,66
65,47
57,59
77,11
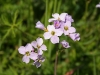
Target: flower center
x,y
65,27
58,19
38,46
27,53
45,30
53,33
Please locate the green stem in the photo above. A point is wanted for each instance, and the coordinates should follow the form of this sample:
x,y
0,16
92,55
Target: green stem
x,y
55,6
94,63
46,13
55,66
24,32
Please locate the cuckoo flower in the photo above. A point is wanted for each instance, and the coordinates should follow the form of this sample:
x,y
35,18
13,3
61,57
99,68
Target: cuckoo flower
x,y
65,44
39,60
67,29
40,26
38,44
98,5
28,53
57,24
75,36
58,17
53,34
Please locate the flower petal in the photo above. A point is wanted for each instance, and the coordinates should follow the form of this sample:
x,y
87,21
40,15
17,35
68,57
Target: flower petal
x,y
56,15
58,32
68,23
40,25
40,52
22,50
65,44
33,55
34,44
54,39
47,35
43,47
66,32
37,63
39,41
29,47
25,59
51,19
50,28
71,30
62,16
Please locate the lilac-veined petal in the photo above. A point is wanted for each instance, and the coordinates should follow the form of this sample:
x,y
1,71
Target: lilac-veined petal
x,y
29,47
34,44
22,50
54,39
58,32
56,15
37,63
33,55
40,52
65,44
26,59
75,36
62,16
39,41
69,18
43,47
50,28
47,35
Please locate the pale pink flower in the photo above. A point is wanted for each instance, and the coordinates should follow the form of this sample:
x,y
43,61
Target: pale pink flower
x,y
58,17
38,44
28,53
53,34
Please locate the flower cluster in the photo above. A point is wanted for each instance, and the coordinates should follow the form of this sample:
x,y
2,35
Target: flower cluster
x,y
33,51
61,24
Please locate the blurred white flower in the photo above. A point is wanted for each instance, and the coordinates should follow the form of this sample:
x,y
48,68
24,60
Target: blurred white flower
x,y
98,5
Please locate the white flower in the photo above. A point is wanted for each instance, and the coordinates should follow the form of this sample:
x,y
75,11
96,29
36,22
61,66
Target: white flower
x,y
56,16
98,5
53,34
38,44
67,29
28,53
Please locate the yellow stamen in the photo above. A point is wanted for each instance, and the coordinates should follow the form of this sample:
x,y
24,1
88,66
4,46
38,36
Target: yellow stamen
x,y
66,28
27,53
45,30
53,33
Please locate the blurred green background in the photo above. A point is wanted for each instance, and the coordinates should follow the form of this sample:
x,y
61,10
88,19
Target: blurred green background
x,y
17,27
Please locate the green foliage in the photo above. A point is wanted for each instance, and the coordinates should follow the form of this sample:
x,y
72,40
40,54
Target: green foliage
x,y
17,27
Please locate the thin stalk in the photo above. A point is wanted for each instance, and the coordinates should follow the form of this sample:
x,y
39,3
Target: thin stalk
x,y
46,13
24,32
94,68
55,66
55,6
58,6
